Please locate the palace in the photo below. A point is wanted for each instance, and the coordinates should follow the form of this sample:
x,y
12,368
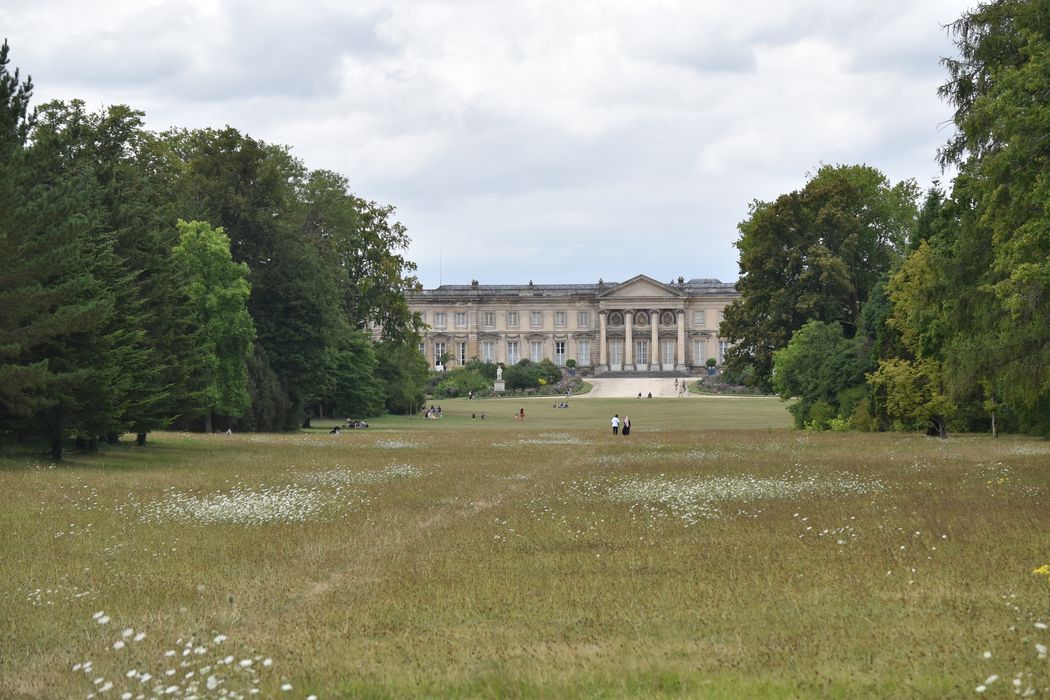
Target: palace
x,y
640,325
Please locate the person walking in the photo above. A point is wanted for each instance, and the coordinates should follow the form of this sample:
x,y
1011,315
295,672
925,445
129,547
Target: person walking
x,y
626,426
616,424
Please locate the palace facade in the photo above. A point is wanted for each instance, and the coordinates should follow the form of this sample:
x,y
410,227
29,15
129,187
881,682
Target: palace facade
x,y
640,325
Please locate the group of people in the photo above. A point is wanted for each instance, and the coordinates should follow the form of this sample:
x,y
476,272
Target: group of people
x,y
563,404
432,412
621,427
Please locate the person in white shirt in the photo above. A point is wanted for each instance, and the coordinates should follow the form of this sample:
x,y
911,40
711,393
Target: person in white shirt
x,y
616,424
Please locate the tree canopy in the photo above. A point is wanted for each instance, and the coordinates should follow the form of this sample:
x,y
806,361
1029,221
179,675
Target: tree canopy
x,y
116,315
814,254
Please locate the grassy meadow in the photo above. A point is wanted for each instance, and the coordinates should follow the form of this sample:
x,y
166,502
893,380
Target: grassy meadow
x,y
715,552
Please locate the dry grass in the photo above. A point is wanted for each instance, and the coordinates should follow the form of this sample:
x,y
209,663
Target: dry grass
x,y
457,558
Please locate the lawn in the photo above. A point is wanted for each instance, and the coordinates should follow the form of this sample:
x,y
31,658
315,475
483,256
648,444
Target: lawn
x,y
715,552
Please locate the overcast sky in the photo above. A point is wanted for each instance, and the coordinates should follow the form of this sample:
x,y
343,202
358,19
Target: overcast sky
x,y
544,140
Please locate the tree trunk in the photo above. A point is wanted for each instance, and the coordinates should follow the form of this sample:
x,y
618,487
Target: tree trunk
x,y
56,445
112,438
995,426
140,439
207,421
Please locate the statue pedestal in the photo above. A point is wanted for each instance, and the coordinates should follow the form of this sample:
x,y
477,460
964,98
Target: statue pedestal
x,y
499,387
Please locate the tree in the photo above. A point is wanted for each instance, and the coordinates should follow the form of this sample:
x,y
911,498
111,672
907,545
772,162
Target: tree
x,y
998,86
813,254
218,292
251,189
403,371
817,365
910,393
356,391
130,174
23,299
361,242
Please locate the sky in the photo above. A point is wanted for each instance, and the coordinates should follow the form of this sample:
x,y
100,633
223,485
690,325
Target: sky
x,y
557,141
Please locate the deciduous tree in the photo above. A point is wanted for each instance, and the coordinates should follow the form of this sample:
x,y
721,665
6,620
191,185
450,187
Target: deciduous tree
x,y
218,293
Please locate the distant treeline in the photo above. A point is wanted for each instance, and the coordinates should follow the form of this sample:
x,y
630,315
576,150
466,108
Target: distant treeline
x,y
878,312
194,279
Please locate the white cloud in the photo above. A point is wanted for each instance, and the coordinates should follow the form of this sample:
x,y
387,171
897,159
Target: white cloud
x,y
554,140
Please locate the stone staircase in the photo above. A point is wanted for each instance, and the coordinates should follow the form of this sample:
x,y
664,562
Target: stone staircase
x,y
643,375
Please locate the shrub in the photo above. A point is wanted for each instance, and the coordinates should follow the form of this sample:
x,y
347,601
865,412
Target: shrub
x,y
820,414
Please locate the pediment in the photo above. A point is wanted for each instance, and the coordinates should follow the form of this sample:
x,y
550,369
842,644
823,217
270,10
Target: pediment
x,y
642,287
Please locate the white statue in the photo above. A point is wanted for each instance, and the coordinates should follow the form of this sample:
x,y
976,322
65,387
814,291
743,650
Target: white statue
x,y
499,373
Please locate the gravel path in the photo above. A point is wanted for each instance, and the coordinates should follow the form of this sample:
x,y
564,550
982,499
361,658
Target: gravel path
x,y
615,388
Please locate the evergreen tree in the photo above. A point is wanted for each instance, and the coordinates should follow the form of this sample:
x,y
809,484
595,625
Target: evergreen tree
x,y
998,86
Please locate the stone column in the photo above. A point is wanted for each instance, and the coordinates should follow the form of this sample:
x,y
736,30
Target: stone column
x,y
628,339
681,341
603,353
654,343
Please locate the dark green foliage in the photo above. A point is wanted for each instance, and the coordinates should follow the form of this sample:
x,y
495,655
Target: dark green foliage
x,y
817,367
107,327
998,86
360,241
814,254
355,389
403,372
527,374
475,376
269,408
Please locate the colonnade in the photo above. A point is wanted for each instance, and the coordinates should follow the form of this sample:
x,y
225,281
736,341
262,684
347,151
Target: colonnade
x,y
627,359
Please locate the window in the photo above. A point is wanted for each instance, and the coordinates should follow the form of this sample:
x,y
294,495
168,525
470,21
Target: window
x,y
439,319
722,345
559,352
583,352
488,351
488,319
721,315
536,350
512,352
699,318
641,352
559,319
583,319
439,350
615,352
699,352
536,319
461,319
668,350
512,319
423,350
461,353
